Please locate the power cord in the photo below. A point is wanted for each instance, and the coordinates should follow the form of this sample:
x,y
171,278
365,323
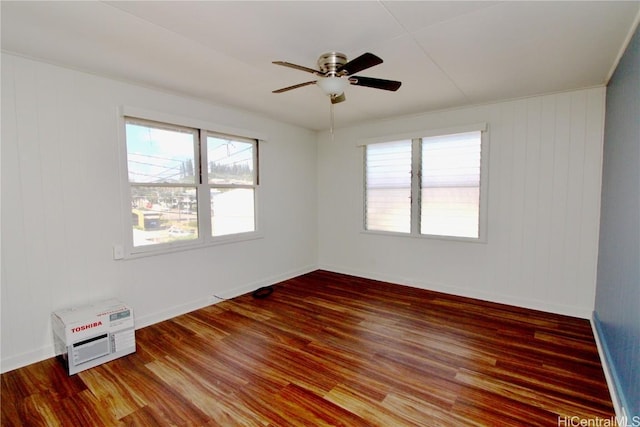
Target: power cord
x,y
263,292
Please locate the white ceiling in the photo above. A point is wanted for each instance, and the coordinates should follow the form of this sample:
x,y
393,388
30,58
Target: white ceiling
x,y
447,54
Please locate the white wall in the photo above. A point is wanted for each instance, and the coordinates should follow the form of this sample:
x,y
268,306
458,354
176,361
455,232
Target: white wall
x,y
543,207
62,210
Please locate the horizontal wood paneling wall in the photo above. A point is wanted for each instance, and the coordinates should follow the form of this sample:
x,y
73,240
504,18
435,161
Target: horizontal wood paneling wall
x,y
544,171
62,210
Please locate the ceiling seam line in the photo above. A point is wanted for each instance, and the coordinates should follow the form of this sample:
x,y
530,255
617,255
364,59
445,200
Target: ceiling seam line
x,y
429,57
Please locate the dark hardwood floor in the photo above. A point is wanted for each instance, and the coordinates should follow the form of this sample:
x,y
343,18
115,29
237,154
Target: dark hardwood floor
x,y
330,349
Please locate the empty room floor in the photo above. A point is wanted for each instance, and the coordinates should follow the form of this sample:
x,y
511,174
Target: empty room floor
x,y
332,349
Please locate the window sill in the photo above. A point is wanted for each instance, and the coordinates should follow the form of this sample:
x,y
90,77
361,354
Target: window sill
x,y
424,236
172,248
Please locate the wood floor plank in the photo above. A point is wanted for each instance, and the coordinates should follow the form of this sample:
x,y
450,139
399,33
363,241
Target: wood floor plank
x,y
374,412
213,402
561,405
328,349
418,410
307,408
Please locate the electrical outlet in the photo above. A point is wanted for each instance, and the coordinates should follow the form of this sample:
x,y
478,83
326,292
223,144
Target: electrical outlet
x,y
118,252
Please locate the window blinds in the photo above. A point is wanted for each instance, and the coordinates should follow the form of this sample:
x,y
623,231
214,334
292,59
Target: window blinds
x,y
388,186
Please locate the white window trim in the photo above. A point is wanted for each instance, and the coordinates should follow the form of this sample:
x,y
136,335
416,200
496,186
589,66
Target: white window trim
x,y
484,182
203,240
424,133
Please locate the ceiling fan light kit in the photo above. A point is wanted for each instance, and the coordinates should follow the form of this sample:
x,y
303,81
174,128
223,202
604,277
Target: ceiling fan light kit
x,y
332,85
335,73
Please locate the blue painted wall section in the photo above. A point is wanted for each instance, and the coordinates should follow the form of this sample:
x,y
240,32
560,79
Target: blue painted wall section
x,y
617,307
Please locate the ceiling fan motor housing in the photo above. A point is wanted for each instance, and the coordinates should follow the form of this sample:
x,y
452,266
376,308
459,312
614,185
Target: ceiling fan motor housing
x,y
329,62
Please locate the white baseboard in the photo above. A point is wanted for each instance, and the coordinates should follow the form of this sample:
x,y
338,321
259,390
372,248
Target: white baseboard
x,y
27,358
46,352
174,311
618,405
566,310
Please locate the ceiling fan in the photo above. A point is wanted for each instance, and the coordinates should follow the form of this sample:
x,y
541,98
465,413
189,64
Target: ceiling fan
x,y
335,73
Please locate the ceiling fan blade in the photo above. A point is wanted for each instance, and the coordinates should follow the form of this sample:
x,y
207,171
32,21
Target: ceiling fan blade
x,y
298,67
362,62
391,85
284,89
338,98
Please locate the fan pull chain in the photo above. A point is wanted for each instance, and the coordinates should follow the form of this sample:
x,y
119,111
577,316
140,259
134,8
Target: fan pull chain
x,y
332,121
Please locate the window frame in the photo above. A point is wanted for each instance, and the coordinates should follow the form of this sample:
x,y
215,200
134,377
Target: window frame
x,y
204,160
416,187
203,129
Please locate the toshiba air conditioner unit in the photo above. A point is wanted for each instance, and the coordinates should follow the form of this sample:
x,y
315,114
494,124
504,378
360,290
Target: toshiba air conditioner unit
x,y
90,335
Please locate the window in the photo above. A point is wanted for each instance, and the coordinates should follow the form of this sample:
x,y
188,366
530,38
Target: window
x,y
188,186
388,186
231,179
426,186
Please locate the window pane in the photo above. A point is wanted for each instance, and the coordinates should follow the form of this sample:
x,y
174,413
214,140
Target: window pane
x,y
389,209
232,211
388,186
450,211
230,161
163,214
157,155
451,185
